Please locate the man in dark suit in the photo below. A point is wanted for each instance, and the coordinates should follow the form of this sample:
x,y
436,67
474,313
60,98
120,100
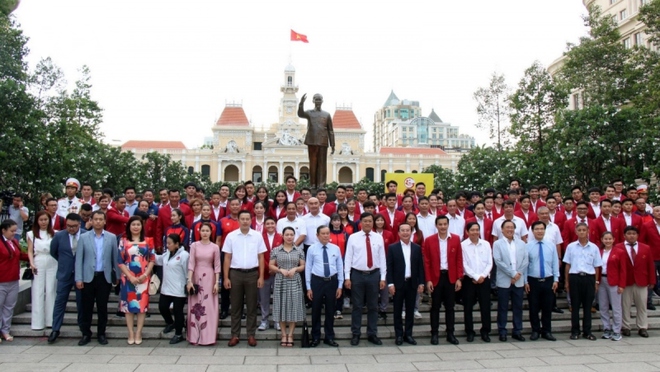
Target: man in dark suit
x,y
96,271
405,279
63,249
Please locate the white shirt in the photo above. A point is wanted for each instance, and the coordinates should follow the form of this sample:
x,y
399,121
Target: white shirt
x,y
512,252
406,257
606,256
391,214
444,262
311,223
481,227
596,209
628,218
356,254
216,212
477,258
175,272
521,227
628,249
244,248
553,234
289,197
427,225
568,214
298,226
607,222
456,225
66,206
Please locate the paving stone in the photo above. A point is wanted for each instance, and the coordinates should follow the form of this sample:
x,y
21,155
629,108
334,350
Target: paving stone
x,y
58,350
448,365
572,359
279,360
407,358
511,362
346,359
70,358
527,353
633,357
629,366
172,368
144,359
378,367
210,359
317,368
469,355
25,358
87,367
33,367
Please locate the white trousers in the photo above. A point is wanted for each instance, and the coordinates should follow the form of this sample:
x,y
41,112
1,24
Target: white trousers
x,y
607,295
637,295
44,289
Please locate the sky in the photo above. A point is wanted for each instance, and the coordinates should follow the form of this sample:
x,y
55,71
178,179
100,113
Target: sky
x,y
164,70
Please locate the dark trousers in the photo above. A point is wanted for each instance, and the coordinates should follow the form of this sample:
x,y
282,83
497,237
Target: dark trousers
x,y
504,295
541,298
304,282
582,290
443,294
61,298
225,298
243,291
365,286
164,308
649,299
473,293
324,293
97,291
404,296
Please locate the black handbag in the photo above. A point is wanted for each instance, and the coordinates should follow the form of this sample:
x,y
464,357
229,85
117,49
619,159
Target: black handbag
x,y
304,340
28,274
193,291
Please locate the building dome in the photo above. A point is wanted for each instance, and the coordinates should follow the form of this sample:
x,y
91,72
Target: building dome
x,y
289,68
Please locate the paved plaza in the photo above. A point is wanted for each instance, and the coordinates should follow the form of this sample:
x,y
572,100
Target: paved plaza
x,y
631,354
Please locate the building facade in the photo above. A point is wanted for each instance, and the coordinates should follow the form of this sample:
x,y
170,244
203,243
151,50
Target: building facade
x,y
239,151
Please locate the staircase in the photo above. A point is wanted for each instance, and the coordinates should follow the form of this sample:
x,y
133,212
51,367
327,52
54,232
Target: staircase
x,y
561,323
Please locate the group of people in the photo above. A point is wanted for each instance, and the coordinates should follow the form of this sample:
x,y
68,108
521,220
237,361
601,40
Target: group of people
x,y
228,255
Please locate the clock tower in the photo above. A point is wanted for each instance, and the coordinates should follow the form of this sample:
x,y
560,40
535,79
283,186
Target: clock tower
x,y
289,101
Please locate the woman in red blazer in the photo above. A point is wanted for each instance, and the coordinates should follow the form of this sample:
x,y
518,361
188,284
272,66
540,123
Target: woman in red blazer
x,y
149,224
417,235
272,239
277,209
379,228
10,257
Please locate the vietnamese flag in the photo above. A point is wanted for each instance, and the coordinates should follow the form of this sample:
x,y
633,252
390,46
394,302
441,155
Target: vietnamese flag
x,y
298,37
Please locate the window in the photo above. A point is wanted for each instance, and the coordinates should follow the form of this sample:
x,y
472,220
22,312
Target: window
x,y
289,81
370,174
613,1
576,101
256,177
626,43
191,170
256,146
623,15
206,170
638,39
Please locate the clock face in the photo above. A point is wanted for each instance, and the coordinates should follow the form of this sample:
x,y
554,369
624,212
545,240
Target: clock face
x,y
289,110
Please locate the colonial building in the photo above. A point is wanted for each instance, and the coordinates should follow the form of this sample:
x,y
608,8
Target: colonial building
x,y
239,151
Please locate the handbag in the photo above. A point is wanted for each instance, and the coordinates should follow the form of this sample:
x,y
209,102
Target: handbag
x,y
154,285
193,291
304,340
27,274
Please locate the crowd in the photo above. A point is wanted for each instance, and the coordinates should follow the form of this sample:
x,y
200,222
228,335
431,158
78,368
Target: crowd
x,y
227,255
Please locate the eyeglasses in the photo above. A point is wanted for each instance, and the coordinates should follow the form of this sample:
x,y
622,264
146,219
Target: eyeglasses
x,y
72,226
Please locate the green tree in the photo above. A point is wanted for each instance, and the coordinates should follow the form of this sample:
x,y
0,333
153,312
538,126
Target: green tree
x,y
493,107
443,178
484,167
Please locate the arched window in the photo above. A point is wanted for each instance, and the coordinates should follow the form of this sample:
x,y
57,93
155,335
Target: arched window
x,y
206,170
191,170
231,173
370,174
257,174
345,175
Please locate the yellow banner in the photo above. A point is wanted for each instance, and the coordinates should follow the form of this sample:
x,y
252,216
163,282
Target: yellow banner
x,y
409,181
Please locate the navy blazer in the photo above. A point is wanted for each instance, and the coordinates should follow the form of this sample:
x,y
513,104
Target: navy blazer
x,y
396,266
60,249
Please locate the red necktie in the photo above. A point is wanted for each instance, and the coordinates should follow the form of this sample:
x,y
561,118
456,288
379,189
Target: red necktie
x,y
370,259
633,254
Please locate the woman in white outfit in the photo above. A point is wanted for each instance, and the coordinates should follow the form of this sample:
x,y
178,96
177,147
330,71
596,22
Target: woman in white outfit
x,y
44,268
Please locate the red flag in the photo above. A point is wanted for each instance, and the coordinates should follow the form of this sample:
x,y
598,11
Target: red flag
x,y
298,37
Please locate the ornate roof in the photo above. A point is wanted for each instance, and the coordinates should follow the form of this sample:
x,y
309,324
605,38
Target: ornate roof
x,y
233,115
153,145
433,116
345,119
392,100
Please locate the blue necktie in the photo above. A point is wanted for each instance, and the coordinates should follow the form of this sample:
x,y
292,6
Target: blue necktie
x,y
326,264
542,260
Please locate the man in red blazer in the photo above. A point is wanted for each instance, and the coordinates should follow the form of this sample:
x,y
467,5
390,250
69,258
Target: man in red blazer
x,y
443,269
534,201
525,212
569,235
640,275
165,216
117,217
326,208
594,203
605,222
556,216
485,224
628,214
650,235
393,217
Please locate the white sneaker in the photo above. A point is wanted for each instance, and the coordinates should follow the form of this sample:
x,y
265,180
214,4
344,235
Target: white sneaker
x,y
263,326
277,326
403,315
347,303
616,337
418,315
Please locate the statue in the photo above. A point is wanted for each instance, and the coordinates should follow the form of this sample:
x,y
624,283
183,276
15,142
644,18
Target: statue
x,y
319,133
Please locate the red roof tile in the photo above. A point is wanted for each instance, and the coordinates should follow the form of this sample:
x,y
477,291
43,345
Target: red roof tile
x,y
153,145
233,115
345,119
411,151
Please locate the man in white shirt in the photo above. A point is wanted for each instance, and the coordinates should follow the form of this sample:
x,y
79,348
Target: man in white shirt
x,y
521,228
365,271
477,264
292,220
425,220
456,222
243,274
312,220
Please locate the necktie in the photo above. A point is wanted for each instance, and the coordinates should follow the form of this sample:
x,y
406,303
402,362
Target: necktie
x,y
74,244
370,259
542,261
326,263
490,217
583,221
633,254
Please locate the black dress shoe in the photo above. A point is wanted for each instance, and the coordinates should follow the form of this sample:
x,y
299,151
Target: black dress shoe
x,y
84,340
102,340
243,316
374,340
382,315
168,328
314,343
534,336
642,332
625,332
650,307
53,336
518,337
503,338
224,315
485,337
355,340
410,340
434,339
452,339
470,337
398,341
176,339
548,336
557,310
575,336
330,342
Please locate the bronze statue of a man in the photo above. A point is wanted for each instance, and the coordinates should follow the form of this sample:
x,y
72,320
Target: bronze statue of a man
x,y
319,133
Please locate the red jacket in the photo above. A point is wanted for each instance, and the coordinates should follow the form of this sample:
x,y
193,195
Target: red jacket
x,y
539,203
399,218
617,227
636,220
277,241
388,239
560,219
643,272
431,256
531,217
116,222
10,258
165,221
568,235
339,238
649,236
272,212
616,267
466,214
222,211
488,229
328,209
